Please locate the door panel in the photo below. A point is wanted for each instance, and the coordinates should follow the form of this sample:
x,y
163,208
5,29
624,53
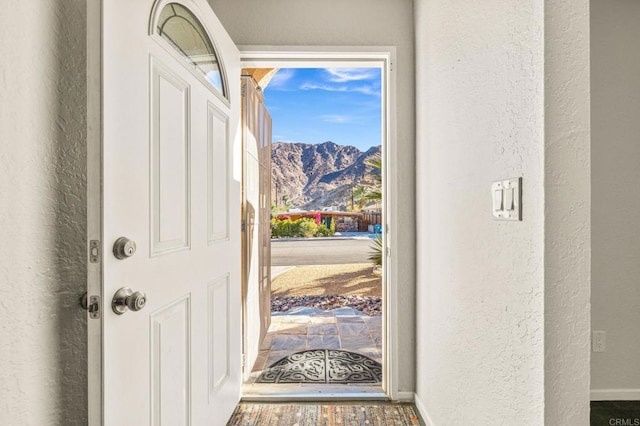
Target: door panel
x,y
256,130
171,182
218,152
170,161
171,364
219,333
265,221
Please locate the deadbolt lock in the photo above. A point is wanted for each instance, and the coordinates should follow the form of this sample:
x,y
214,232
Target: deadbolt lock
x,y
126,299
123,248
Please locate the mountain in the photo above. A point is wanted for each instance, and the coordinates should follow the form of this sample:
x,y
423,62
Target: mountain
x,y
313,176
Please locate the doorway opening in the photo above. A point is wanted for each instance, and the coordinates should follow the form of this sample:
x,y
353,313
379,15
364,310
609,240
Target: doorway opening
x,y
316,310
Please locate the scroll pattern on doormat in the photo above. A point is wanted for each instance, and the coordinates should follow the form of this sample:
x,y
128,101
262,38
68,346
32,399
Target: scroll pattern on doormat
x,y
323,366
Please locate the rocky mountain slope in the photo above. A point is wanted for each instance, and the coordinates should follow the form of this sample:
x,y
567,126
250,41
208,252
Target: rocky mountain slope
x,y
313,176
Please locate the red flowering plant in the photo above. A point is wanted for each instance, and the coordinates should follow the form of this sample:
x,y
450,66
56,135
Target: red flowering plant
x,y
315,216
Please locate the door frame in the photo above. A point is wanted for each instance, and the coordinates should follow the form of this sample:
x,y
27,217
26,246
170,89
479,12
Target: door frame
x,y
94,208
256,56
382,57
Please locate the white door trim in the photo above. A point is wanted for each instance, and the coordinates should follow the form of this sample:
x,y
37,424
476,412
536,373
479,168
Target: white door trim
x,y
359,56
94,206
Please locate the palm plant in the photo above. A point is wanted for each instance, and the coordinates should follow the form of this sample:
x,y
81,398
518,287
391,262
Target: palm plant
x,y
375,194
360,194
375,162
376,250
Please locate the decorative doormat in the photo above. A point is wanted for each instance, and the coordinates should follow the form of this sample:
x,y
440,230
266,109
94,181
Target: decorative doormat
x,y
323,366
327,414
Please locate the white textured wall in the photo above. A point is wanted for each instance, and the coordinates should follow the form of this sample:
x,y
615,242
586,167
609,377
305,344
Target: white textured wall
x,y
480,281
503,330
42,217
567,192
615,151
353,23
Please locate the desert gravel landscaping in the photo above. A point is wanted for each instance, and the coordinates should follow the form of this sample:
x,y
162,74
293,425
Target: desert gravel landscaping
x,y
360,279
328,287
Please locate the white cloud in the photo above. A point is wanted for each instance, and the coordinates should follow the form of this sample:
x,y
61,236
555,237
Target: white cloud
x,y
281,79
335,118
343,75
366,90
326,87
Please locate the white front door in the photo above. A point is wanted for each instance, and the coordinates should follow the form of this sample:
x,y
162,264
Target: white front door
x,y
171,177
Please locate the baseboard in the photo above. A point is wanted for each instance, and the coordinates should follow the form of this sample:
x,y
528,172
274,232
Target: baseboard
x,y
404,396
615,395
422,410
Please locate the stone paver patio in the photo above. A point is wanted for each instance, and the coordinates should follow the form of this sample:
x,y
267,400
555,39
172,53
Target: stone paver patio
x,y
306,328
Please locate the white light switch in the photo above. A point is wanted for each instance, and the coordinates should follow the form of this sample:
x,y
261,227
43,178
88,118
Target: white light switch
x,y
497,200
508,199
506,195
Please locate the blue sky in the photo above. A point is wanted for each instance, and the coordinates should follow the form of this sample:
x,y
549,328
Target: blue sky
x,y
315,105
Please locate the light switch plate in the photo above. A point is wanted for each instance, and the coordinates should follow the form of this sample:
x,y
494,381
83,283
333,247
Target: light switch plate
x,y
510,192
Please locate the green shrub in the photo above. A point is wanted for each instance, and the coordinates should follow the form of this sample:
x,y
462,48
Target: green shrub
x,y
284,228
323,231
301,228
307,228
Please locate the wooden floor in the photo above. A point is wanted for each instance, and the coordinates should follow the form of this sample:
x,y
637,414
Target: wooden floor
x,y
325,414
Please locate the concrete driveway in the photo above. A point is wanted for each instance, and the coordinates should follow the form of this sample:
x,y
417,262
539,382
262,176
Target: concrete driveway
x,y
320,251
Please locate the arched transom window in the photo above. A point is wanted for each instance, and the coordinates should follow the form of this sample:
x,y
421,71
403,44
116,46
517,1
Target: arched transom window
x,y
186,34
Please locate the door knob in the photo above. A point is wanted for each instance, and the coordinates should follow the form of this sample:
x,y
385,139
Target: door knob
x,y
123,248
126,299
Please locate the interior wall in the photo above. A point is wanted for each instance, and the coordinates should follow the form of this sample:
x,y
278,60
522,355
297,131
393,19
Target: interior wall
x,y
480,281
503,336
615,91
567,198
354,23
43,218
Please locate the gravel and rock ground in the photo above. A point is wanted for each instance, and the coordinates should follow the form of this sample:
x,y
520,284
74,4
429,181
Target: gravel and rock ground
x,y
371,306
327,287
